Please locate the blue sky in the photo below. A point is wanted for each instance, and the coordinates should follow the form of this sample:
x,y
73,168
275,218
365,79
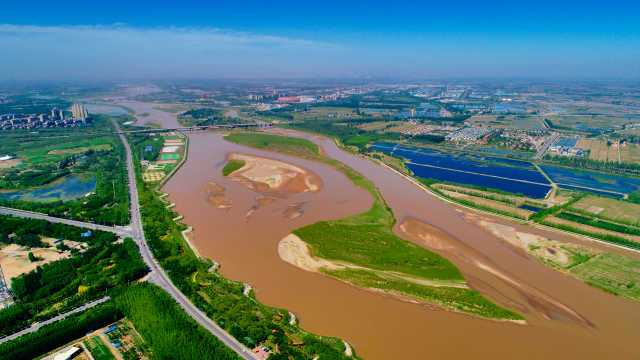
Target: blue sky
x,y
298,39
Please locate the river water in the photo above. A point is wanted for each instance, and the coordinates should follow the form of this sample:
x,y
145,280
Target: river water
x,y
565,318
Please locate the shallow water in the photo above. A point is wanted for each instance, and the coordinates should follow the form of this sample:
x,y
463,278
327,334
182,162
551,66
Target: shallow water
x,y
67,188
112,110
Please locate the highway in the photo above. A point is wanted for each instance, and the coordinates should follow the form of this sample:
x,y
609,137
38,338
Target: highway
x,y
157,274
38,325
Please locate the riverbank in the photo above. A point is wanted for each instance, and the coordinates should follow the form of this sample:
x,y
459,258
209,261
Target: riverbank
x,y
194,276
366,243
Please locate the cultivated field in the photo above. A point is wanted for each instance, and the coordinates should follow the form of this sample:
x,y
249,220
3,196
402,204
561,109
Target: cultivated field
x,y
630,153
524,122
483,202
614,273
611,209
553,220
591,121
326,112
599,150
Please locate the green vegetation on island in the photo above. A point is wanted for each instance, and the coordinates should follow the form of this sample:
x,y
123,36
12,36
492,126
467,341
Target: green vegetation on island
x,y
231,166
349,134
385,261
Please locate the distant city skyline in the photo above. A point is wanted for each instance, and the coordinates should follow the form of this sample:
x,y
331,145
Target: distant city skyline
x,y
253,39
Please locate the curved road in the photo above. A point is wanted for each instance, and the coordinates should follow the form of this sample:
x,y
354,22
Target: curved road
x,y
157,274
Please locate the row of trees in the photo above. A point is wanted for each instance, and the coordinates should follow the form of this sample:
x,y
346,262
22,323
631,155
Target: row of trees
x,y
166,328
67,283
607,166
32,345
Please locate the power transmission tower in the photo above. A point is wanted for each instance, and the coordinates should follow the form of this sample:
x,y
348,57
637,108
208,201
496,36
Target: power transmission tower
x,y
6,298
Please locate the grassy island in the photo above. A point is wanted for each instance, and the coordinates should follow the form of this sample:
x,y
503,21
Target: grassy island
x,y
231,166
376,258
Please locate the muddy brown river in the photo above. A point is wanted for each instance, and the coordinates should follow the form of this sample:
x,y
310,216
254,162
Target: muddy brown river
x,y
566,319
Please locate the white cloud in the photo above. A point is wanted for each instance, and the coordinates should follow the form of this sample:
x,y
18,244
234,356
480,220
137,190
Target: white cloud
x,y
119,51
114,31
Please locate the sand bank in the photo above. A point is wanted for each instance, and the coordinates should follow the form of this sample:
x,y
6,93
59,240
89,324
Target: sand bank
x,y
268,175
216,196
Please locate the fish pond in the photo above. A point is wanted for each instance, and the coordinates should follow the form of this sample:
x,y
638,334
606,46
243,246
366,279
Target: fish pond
x,y
591,181
514,176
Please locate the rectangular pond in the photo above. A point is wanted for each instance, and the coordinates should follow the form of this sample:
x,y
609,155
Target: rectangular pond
x,y
591,181
514,176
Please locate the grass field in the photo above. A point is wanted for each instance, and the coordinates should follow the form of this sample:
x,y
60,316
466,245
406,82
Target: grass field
x,y
98,349
367,240
232,166
80,150
281,144
38,151
169,156
610,209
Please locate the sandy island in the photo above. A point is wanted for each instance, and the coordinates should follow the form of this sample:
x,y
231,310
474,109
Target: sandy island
x,y
294,251
268,175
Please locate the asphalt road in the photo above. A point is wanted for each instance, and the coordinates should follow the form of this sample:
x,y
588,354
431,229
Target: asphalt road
x,y
543,149
157,274
38,325
121,231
